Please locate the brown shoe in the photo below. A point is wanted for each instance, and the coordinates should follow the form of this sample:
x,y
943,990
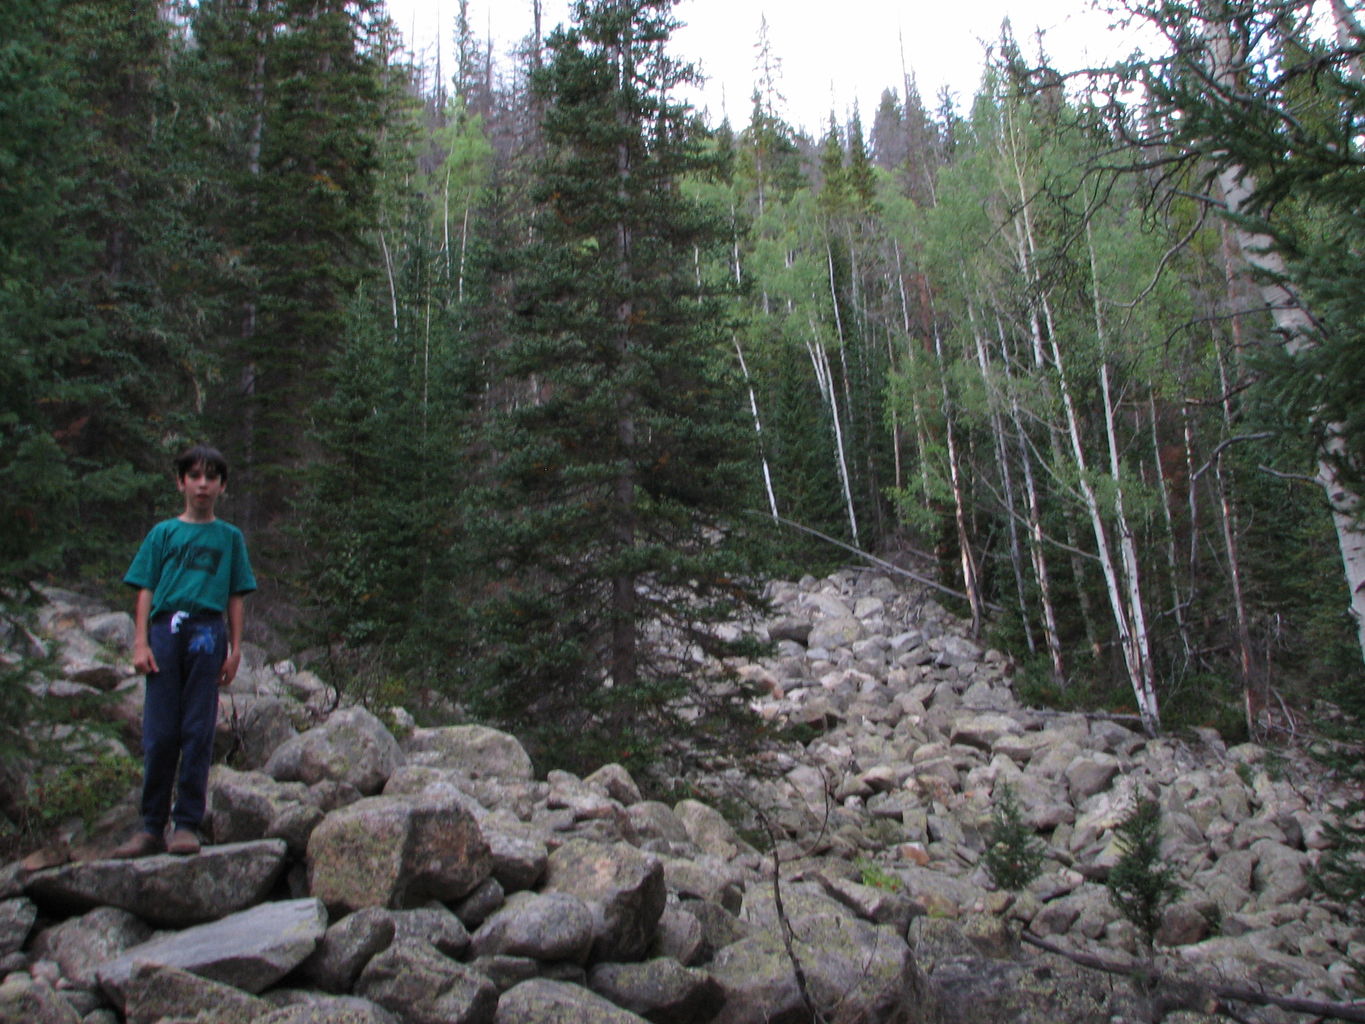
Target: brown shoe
x,y
143,844
183,843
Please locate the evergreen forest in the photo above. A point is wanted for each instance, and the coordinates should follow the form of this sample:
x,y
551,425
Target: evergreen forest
x,y
529,377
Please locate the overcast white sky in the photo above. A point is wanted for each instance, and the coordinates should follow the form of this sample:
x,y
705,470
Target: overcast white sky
x,y
833,53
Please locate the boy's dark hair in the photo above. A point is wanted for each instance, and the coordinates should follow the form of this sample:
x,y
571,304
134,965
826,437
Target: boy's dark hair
x,y
202,455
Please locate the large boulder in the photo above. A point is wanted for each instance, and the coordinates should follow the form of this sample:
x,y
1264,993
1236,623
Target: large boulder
x,y
623,886
419,985
250,951
25,1000
166,890
545,926
79,945
396,852
542,1001
252,805
330,1010
352,747
662,990
157,993
475,750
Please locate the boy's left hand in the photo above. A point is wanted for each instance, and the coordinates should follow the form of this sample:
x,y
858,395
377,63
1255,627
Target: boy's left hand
x,y
229,672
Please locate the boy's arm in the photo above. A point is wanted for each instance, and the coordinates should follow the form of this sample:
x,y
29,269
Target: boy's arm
x,y
143,659
236,613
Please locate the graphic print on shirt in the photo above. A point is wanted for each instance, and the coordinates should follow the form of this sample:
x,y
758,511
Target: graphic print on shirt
x,y
195,558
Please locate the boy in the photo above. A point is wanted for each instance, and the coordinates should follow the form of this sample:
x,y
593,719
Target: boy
x,y
189,572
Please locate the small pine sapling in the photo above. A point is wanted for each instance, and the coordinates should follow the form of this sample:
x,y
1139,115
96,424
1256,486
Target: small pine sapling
x,y
1014,856
1140,885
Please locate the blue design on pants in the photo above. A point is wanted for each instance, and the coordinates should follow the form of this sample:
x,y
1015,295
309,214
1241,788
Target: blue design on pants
x,y
178,720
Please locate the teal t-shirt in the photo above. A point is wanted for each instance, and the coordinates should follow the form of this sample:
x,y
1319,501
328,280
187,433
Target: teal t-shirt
x,y
192,567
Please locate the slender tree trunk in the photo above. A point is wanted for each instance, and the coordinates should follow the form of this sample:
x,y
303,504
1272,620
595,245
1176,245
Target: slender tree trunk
x,y
825,380
970,583
1125,592
758,430
1006,483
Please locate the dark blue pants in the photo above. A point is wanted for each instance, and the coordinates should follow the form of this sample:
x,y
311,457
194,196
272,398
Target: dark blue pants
x,y
179,717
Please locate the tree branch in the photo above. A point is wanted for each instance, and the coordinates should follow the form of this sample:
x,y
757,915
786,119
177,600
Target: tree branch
x,y
1171,994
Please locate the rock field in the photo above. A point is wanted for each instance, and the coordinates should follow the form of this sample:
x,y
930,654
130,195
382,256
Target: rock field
x,y
362,877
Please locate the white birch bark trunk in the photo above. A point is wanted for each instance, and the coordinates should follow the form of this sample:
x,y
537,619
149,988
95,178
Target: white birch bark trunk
x,y
824,378
1296,325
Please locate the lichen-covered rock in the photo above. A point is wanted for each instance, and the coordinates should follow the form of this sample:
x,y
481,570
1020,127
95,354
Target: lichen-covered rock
x,y
24,1000
16,919
80,944
352,746
545,926
623,886
166,890
419,985
475,750
661,990
396,852
157,993
542,1001
252,805
251,950
347,946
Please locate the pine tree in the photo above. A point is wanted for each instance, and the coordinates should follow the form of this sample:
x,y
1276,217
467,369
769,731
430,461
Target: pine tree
x,y
624,461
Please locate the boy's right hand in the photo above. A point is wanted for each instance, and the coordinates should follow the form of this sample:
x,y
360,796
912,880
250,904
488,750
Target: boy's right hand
x,y
143,658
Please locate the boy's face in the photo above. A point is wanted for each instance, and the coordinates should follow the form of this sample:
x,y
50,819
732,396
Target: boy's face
x,y
202,487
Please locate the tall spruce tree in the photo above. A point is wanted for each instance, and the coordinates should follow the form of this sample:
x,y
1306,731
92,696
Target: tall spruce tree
x,y
624,463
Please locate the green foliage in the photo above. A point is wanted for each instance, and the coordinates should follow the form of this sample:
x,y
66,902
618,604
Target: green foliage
x,y
611,519
873,874
1014,855
1142,884
84,790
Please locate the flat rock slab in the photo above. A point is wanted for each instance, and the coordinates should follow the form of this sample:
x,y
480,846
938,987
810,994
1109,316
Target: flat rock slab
x,y
171,892
250,951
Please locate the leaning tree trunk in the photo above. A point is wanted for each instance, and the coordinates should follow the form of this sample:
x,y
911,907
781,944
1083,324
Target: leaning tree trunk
x,y
1296,324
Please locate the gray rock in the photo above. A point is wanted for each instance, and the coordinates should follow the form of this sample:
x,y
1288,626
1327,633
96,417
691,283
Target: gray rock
x,y
519,857
1088,775
113,629
473,749
488,896
854,972
24,1000
352,747
662,991
266,725
396,852
16,919
166,890
251,950
252,805
619,883
710,831
347,947
1281,874
412,980
680,936
80,944
984,730
651,820
545,926
330,1010
705,878
541,1001
434,923
833,633
568,792
615,781
156,993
